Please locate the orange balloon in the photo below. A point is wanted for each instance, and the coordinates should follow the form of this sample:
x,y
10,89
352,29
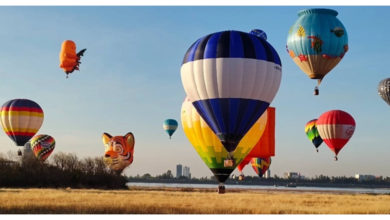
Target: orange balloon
x,y
68,56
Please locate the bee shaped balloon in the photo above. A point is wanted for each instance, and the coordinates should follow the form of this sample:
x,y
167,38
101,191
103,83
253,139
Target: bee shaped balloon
x,y
69,59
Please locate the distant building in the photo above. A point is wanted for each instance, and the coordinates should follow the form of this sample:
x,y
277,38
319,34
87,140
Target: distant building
x,y
179,171
361,177
267,174
186,172
293,175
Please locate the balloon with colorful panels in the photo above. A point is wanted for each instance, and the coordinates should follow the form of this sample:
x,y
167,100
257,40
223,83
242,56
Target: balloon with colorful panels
x,y
384,90
21,119
265,146
336,127
42,146
312,133
210,148
261,165
170,126
231,78
118,151
69,59
317,42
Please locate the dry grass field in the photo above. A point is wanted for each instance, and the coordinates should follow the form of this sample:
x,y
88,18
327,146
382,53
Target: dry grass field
x,y
187,201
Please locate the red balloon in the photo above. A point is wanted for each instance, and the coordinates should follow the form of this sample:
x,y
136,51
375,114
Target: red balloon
x,y
336,127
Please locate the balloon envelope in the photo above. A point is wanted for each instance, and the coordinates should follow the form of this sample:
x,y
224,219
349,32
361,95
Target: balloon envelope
x,y
231,77
208,146
21,119
317,42
119,151
42,146
170,126
336,127
260,165
312,133
384,90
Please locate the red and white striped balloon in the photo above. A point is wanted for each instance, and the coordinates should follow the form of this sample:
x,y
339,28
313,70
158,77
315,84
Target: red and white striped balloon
x,y
336,127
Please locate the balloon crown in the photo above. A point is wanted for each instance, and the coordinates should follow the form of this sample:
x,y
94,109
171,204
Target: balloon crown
x,y
259,33
318,11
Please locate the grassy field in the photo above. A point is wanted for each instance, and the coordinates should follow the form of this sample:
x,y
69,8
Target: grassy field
x,y
187,201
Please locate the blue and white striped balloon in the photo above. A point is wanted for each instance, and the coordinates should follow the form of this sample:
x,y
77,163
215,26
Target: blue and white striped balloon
x,y
231,77
170,126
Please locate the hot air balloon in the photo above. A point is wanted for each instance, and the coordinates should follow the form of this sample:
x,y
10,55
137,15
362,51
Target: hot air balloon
x,y
21,120
265,147
119,151
231,77
208,146
312,133
336,127
384,90
42,146
170,126
260,165
69,59
317,42
241,166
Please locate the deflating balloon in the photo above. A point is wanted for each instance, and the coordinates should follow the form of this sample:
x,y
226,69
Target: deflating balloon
x,y
21,119
42,146
170,126
208,146
312,133
231,77
260,165
69,59
384,90
317,42
336,127
119,151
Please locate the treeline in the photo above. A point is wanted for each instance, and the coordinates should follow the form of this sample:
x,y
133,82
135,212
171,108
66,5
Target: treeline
x,y
63,170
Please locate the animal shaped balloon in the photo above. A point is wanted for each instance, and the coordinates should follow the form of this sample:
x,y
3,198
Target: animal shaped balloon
x,y
208,146
384,90
231,78
119,151
336,127
260,165
312,133
317,42
69,59
42,146
170,126
21,119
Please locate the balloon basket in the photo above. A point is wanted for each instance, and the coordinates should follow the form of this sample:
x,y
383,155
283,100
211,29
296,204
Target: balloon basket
x,y
221,189
228,163
241,177
316,91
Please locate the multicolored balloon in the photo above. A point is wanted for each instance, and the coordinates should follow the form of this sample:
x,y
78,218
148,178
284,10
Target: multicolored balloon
x,y
336,127
170,126
317,42
42,146
312,133
119,151
231,77
208,146
384,90
261,165
21,119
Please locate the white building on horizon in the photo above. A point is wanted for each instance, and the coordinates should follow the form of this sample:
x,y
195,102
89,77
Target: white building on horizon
x,y
186,172
361,177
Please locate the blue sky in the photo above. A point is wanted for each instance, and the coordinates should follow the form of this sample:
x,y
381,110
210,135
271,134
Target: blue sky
x,y
129,80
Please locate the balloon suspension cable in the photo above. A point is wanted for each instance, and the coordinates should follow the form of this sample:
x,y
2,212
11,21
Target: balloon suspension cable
x,y
169,137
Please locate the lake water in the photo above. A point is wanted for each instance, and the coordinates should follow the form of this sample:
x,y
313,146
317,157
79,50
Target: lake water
x,y
298,188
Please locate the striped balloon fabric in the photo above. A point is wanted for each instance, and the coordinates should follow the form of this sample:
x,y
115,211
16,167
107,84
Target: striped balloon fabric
x,y
231,77
260,165
42,146
336,127
21,119
312,133
170,126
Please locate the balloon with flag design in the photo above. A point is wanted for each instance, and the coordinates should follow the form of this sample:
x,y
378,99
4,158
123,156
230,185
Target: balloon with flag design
x,y
231,78
260,165
21,119
170,126
312,133
42,146
208,146
336,127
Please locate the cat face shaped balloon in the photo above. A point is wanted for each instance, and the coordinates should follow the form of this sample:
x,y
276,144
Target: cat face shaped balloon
x,y
119,151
